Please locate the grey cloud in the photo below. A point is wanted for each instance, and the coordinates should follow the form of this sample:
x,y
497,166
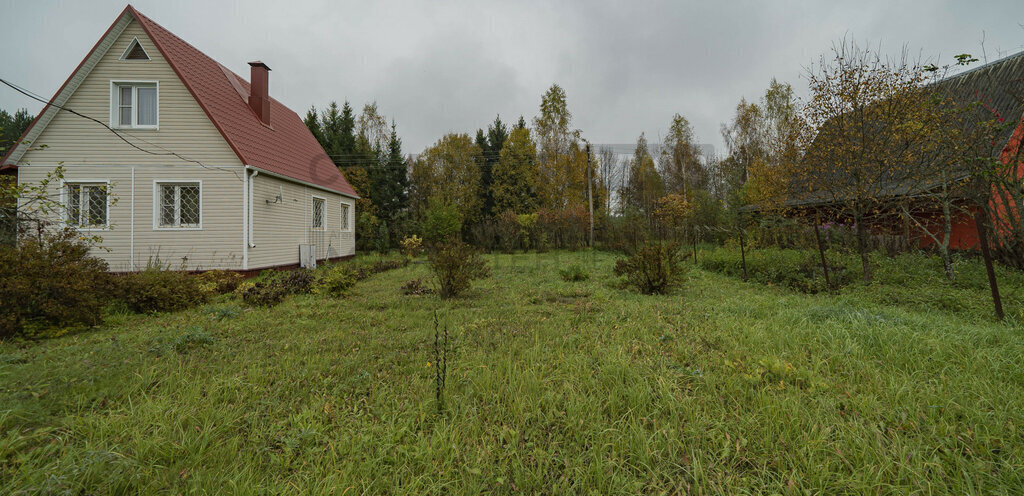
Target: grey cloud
x,y
445,66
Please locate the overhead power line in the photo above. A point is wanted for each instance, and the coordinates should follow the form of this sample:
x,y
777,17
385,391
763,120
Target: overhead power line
x,y
117,133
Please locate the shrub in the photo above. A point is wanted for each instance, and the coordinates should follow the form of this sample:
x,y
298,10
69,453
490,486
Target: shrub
x,y
416,287
382,241
442,222
215,282
655,267
795,269
366,229
625,232
484,234
532,236
412,246
574,273
455,266
386,265
298,281
264,293
51,281
565,228
508,231
159,290
336,281
273,288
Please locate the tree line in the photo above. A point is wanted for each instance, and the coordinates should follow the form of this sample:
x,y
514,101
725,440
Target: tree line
x,y
541,174
878,142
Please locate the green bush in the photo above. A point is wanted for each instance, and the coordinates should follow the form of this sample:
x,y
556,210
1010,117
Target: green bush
x,y
366,229
441,222
386,265
455,266
795,269
51,282
274,286
336,281
265,293
655,267
159,290
298,281
574,273
382,241
412,246
215,282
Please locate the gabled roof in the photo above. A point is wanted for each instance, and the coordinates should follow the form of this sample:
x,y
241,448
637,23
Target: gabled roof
x,y
285,147
995,86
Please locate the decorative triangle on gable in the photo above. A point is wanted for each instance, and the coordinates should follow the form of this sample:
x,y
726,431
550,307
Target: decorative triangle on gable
x,y
135,51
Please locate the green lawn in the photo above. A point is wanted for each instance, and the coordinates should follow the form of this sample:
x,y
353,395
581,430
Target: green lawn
x,y
554,388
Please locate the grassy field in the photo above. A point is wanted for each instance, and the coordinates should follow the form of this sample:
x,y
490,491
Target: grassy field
x,y
554,388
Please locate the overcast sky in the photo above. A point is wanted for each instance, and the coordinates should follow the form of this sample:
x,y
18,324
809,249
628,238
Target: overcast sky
x,y
437,67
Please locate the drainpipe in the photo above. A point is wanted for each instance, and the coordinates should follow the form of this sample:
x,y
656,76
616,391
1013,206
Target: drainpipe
x,y
250,242
131,227
245,217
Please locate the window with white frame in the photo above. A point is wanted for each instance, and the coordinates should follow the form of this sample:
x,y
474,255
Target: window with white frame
x,y
344,217
86,205
135,105
180,205
319,222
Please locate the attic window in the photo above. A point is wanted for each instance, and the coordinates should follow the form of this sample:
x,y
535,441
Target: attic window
x,y
135,51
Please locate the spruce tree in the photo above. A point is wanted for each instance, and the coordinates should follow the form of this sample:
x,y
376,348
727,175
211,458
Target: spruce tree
x,y
312,121
391,187
490,145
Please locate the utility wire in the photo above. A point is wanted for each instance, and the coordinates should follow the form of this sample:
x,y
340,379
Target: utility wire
x,y
342,161
166,152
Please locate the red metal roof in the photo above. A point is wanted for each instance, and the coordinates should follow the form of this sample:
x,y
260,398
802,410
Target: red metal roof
x,y
285,147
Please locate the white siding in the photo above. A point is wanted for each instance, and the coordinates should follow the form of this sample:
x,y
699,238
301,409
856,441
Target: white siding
x,y
91,152
218,245
183,126
280,226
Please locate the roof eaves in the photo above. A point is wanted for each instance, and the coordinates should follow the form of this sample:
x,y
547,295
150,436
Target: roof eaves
x,y
5,162
300,181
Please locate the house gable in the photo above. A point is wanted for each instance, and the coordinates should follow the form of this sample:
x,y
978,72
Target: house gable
x,y
183,127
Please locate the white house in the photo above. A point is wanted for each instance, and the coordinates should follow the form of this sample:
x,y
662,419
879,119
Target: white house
x,y
190,165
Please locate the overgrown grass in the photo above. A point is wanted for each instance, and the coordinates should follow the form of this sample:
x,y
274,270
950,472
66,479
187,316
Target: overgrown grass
x,y
915,280
553,387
